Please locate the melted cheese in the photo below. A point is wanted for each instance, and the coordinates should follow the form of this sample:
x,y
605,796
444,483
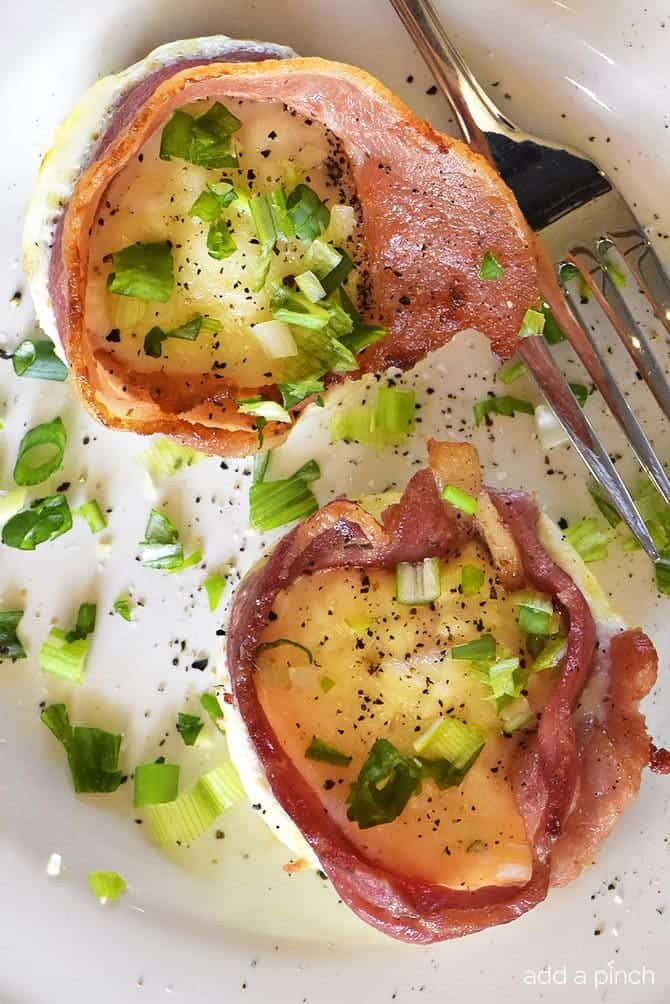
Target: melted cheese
x,y
393,680
150,201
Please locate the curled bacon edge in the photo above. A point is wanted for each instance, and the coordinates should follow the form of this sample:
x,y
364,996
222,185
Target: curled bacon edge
x,y
567,808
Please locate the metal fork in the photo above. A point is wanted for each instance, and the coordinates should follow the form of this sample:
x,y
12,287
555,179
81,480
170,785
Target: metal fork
x,y
579,217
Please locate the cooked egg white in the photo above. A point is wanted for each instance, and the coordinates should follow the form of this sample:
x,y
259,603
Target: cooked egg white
x,y
72,146
508,860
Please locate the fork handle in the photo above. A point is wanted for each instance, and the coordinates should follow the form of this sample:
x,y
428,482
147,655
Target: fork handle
x,y
475,113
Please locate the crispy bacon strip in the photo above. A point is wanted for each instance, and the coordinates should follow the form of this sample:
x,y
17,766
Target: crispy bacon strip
x,y
555,771
431,208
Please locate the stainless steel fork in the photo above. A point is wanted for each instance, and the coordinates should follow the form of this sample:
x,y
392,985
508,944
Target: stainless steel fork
x,y
579,218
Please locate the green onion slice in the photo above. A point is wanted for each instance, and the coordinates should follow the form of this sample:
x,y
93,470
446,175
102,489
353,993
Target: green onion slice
x,y
308,284
480,648
326,683
325,753
503,405
553,334
220,242
280,215
490,268
551,655
384,786
460,499
93,754
275,503
589,539
536,614
93,514
212,201
107,886
512,371
452,740
167,457
161,547
36,358
205,141
263,220
41,453
309,215
278,642
189,816
516,715
143,271
123,608
604,505
10,643
418,582
64,653
214,587
615,274
155,783
210,704
153,340
472,579
388,423
532,324
45,520
581,392
189,727
363,336
293,393
271,411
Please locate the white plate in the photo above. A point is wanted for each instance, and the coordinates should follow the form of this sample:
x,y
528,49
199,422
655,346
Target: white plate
x,y
224,921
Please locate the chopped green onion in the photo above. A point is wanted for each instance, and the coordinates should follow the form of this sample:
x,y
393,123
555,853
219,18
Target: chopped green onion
x,y
505,679
604,505
532,324
214,587
418,582
278,642
106,886
155,783
276,338
45,520
93,514
282,221
302,319
143,271
662,572
210,704
516,715
161,547
36,357
189,727
212,201
323,258
589,540
275,503
325,753
193,559
293,393
490,268
167,457
359,625
308,284
309,215
460,499
123,608
452,740
581,392
205,140
220,242
472,579
615,274
553,334
363,336
385,784
261,464
271,411
503,405
261,214
512,371
551,655
326,683
536,613
387,423
10,643
480,648
93,754
567,271
331,280
41,453
153,340
189,816
64,653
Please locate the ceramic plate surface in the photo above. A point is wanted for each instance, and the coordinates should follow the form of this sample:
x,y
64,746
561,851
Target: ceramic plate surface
x,y
224,921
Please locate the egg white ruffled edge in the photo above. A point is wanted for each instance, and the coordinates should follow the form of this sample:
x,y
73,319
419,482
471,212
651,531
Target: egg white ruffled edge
x,y
86,123
243,754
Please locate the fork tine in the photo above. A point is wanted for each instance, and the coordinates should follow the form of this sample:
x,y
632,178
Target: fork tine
x,y
602,376
539,360
646,266
631,334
